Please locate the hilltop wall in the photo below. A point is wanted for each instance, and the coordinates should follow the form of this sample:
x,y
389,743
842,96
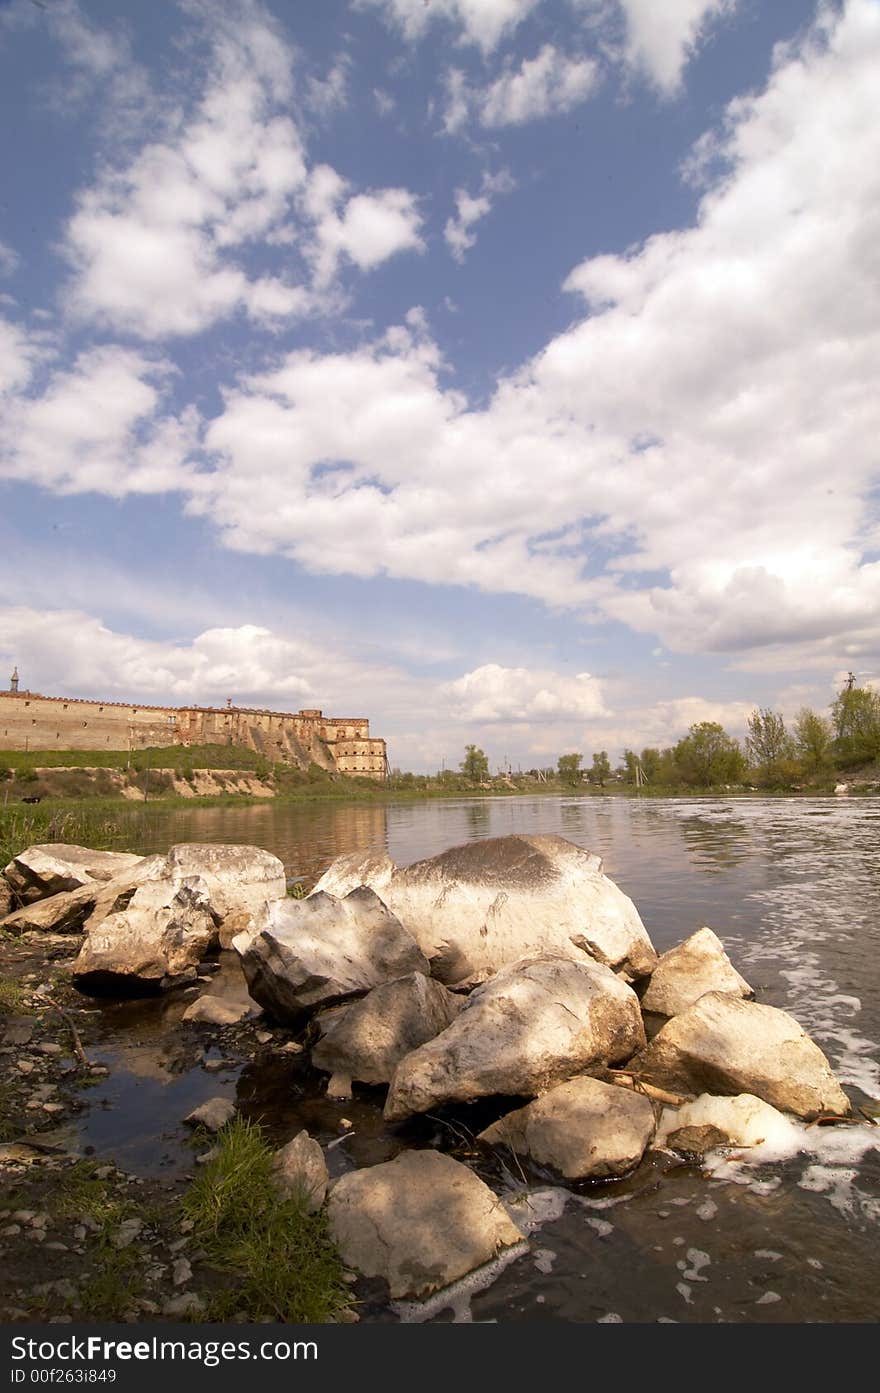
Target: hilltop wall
x,y
30,721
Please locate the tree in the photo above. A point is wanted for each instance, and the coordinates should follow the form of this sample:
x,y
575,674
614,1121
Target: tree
x,y
475,765
600,770
856,716
768,744
812,740
629,768
708,755
568,769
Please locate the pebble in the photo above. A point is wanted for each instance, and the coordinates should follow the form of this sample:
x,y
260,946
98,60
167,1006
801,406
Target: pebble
x,y
57,1247
26,1066
292,1047
181,1272
768,1298
127,1232
185,1304
23,1216
10,1230
49,1047
53,1107
264,1036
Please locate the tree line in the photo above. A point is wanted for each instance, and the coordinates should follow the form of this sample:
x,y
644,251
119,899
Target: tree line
x,y
773,755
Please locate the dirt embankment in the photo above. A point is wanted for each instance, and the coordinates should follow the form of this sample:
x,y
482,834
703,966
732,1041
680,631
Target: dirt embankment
x,y
149,783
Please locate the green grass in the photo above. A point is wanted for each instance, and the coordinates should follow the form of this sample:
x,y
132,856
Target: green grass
x,y
279,1260
178,757
90,827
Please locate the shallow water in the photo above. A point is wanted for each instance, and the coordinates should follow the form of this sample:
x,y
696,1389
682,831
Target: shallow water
x,y
792,887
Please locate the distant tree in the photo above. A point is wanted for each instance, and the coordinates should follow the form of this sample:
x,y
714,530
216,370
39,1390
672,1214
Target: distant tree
x,y
475,765
812,740
768,745
708,755
599,771
630,766
855,713
568,768
652,765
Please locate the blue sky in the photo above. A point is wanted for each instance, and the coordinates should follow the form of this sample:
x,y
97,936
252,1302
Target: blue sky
x,y
502,370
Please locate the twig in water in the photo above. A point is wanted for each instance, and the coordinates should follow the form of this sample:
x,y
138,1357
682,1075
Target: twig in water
x,y
77,1042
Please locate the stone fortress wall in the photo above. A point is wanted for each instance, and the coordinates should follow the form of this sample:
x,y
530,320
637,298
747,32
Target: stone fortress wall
x,y
29,721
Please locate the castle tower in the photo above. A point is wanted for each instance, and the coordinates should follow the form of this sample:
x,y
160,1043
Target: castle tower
x,y
13,681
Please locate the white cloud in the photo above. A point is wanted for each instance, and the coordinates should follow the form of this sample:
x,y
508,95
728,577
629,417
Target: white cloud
x,y
494,693
330,94
9,260
662,37
547,85
366,228
159,244
481,22
385,103
470,209
98,425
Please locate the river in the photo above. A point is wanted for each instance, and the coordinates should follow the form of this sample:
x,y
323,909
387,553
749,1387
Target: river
x,y
791,886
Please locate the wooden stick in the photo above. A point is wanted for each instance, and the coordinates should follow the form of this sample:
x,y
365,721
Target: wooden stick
x,y
625,1078
77,1042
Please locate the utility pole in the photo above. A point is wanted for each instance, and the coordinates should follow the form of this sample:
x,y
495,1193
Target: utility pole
x,y
850,681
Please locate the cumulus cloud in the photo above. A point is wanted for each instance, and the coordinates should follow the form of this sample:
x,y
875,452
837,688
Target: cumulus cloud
x,y
9,260
661,38
480,22
494,693
549,84
99,425
158,245
470,209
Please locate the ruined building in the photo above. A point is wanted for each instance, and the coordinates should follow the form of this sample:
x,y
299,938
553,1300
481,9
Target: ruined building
x,y
29,721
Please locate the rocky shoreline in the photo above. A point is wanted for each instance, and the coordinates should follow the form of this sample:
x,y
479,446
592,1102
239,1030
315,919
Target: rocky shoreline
x,y
511,972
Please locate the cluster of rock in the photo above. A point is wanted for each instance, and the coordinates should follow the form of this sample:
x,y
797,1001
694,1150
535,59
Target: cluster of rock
x,y
507,968
147,921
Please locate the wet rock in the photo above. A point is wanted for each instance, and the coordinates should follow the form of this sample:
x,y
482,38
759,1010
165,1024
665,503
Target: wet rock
x,y
214,1010
582,1128
420,1222
367,1039
688,971
710,1120
312,952
724,1045
299,1168
212,1115
531,1026
54,867
163,932
239,880
475,908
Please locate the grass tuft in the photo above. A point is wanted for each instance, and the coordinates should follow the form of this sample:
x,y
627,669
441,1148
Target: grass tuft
x,y
281,1259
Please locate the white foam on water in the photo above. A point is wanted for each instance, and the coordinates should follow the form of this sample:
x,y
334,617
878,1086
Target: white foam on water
x,y
458,1295
768,1298
544,1259
707,1210
612,1318
831,1158
531,1209
684,1291
769,1254
601,1226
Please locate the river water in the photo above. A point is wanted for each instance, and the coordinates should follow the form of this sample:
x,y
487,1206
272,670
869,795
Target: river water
x,y
791,886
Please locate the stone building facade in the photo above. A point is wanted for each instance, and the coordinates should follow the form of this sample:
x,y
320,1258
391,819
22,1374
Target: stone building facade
x,y
30,721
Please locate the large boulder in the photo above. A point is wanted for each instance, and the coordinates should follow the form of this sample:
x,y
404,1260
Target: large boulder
x,y
166,928
688,971
240,879
534,1024
582,1128
71,911
367,1039
476,908
310,953
53,867
741,1120
724,1045
421,1222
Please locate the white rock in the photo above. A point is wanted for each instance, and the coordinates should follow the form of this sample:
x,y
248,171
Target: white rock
x,y
421,1222
476,908
212,1115
163,932
299,1168
53,867
534,1024
688,971
215,1010
239,880
582,1128
724,1045
367,1039
312,952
